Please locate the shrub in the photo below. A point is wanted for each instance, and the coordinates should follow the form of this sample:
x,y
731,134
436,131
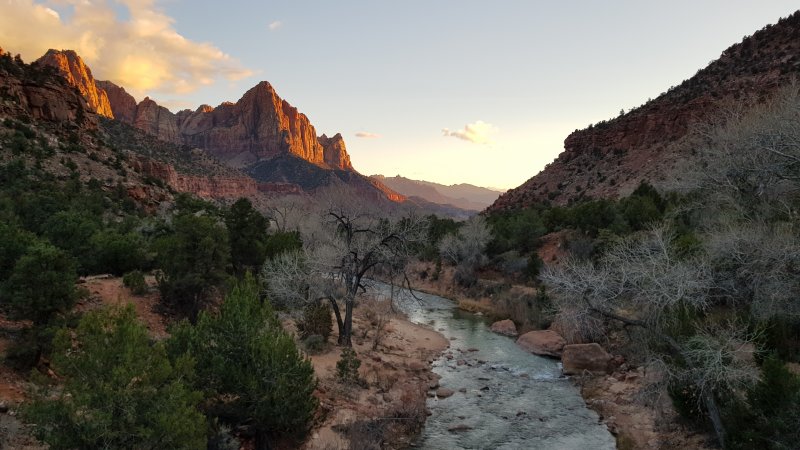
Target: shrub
x,y
314,344
135,282
316,320
347,367
119,391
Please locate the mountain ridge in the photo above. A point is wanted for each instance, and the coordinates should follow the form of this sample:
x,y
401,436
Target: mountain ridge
x,y
462,195
611,158
260,127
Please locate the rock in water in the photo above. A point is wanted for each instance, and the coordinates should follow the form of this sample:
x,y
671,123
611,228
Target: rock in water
x,y
505,327
542,342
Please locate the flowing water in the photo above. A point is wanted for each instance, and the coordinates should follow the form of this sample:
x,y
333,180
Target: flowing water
x,y
505,397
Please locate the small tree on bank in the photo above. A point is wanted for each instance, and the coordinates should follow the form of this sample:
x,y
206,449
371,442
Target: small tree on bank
x,y
249,367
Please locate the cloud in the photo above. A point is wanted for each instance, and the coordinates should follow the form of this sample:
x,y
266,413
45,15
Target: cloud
x,y
142,52
274,25
477,132
367,135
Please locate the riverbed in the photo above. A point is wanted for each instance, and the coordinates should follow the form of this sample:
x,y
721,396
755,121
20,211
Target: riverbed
x,y
504,397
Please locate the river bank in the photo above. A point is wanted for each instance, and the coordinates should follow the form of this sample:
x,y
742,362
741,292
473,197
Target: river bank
x,y
637,414
388,409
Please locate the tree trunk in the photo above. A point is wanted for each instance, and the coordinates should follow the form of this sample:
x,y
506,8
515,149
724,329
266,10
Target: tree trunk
x,y
338,314
344,337
262,441
714,415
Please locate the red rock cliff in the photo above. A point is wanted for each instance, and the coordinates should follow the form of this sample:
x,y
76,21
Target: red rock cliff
x,y
71,66
123,105
335,152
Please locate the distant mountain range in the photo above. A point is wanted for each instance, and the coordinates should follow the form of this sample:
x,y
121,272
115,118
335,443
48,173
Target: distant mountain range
x,y
462,196
609,159
261,135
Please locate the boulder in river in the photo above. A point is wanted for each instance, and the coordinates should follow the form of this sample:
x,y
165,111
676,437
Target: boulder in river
x,y
444,392
505,327
542,342
579,358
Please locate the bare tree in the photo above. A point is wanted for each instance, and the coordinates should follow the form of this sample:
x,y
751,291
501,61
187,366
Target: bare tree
x,y
345,241
287,213
640,285
749,158
466,249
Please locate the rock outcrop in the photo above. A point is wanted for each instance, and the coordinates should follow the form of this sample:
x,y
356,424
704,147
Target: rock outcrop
x,y
49,98
77,74
611,158
335,152
157,121
579,358
123,105
205,186
542,343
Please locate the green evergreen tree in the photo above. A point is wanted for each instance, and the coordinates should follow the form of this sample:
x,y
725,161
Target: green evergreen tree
x,y
250,366
120,391
194,259
247,231
42,284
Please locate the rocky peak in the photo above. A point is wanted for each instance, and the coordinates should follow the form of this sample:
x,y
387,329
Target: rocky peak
x,y
123,105
77,74
335,152
157,120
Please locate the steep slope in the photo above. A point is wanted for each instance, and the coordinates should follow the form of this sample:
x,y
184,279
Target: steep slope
x,y
612,157
463,196
71,67
71,139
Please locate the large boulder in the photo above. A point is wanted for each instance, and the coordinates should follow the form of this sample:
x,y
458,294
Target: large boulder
x,y
505,327
579,358
542,342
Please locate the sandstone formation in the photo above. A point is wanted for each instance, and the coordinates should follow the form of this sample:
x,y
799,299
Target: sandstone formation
x,y
260,126
49,99
77,74
542,343
261,132
123,105
609,159
209,186
335,152
505,327
157,121
579,358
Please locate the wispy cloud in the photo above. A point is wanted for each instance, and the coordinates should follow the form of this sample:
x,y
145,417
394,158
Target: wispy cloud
x,y
274,25
477,132
143,52
367,135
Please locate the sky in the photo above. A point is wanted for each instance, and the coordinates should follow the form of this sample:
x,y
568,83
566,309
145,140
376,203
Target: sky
x,y
449,91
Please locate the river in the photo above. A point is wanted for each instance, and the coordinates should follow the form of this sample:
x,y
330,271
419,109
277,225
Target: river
x,y
505,397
